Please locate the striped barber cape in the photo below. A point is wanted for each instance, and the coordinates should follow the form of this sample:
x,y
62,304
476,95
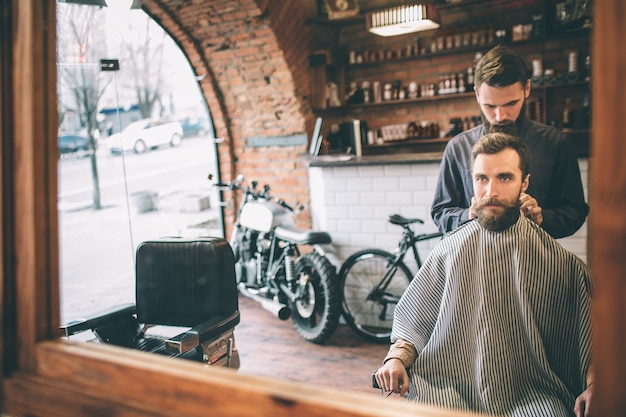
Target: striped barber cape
x,y
500,321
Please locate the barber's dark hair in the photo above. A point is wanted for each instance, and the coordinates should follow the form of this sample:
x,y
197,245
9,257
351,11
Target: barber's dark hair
x,y
493,143
500,68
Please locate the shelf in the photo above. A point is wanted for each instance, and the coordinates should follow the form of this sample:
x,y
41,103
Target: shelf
x,y
372,106
550,45
560,85
578,138
407,146
466,49
443,97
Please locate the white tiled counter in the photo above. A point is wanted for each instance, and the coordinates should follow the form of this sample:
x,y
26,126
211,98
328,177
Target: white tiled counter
x,y
353,199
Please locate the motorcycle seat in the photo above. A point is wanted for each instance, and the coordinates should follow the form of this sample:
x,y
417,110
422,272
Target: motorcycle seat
x,y
302,236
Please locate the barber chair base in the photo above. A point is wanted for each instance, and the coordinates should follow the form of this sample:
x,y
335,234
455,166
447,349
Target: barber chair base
x,y
185,288
120,327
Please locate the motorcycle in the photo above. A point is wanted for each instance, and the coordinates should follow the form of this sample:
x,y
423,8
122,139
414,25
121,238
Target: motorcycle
x,y
271,269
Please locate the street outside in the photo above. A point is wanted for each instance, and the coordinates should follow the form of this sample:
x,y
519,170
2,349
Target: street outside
x,y
97,246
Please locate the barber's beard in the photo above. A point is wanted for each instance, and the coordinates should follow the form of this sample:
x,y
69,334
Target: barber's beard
x,y
497,221
509,127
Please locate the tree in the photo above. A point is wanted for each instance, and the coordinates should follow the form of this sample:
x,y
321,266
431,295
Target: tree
x,y
144,68
81,85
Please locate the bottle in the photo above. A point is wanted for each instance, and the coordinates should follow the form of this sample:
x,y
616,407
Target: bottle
x,y
461,87
376,92
586,112
458,37
572,67
537,77
567,114
367,91
433,44
475,35
537,25
441,85
441,40
469,85
454,84
467,36
549,78
482,33
449,38
387,92
491,32
538,116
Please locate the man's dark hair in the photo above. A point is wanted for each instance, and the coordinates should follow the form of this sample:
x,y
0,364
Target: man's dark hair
x,y
500,68
493,143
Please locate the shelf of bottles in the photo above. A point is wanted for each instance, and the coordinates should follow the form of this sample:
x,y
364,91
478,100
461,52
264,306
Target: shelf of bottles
x,y
454,40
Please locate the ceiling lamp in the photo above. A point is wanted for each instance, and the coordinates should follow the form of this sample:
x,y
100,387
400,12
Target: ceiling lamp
x,y
401,20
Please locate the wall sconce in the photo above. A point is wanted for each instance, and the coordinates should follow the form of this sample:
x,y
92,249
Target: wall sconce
x,y
403,19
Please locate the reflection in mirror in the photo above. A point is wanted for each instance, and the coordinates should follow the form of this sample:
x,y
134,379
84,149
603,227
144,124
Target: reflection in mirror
x,y
135,148
125,193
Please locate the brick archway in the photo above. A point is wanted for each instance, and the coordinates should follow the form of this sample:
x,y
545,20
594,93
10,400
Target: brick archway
x,y
251,57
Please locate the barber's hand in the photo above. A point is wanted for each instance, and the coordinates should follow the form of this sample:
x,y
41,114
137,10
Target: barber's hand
x,y
583,402
392,376
472,209
530,208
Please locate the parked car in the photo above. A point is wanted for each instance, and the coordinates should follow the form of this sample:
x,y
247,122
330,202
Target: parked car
x,y
72,143
145,134
194,126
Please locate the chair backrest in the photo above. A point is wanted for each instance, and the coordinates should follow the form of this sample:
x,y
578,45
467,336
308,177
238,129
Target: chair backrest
x,y
183,282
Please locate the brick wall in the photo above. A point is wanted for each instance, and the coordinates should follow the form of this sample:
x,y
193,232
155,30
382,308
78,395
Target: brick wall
x,y
353,203
252,58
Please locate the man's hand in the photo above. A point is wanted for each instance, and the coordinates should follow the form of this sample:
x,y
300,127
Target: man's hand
x,y
583,402
392,376
472,209
530,208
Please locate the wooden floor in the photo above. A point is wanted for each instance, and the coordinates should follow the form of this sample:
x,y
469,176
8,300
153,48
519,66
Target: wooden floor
x,y
271,347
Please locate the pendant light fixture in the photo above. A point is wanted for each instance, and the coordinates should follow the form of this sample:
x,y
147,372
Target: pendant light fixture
x,y
403,19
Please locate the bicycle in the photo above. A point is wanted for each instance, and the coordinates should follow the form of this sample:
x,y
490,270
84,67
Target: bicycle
x,y
372,281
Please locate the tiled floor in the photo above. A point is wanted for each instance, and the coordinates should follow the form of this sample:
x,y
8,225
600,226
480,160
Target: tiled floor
x,y
271,347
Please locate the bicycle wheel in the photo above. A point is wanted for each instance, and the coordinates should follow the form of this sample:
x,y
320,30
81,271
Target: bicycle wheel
x,y
368,310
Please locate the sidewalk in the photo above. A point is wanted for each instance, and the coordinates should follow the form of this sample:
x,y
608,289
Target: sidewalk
x,y
97,247
184,213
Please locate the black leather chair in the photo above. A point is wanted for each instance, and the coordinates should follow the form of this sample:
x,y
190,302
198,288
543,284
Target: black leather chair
x,y
186,303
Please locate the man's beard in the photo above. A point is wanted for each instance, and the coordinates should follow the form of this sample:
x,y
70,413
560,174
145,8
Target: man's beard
x,y
497,221
507,126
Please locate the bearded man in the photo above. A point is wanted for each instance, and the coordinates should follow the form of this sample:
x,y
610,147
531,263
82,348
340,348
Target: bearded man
x,y
555,200
497,320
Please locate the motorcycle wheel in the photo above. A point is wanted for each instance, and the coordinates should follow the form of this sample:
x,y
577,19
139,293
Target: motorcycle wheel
x,y
316,315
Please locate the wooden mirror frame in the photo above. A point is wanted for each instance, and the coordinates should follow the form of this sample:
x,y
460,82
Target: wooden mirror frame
x,y
44,375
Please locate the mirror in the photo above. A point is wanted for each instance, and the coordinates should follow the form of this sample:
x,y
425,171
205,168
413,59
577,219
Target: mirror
x,y
141,194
